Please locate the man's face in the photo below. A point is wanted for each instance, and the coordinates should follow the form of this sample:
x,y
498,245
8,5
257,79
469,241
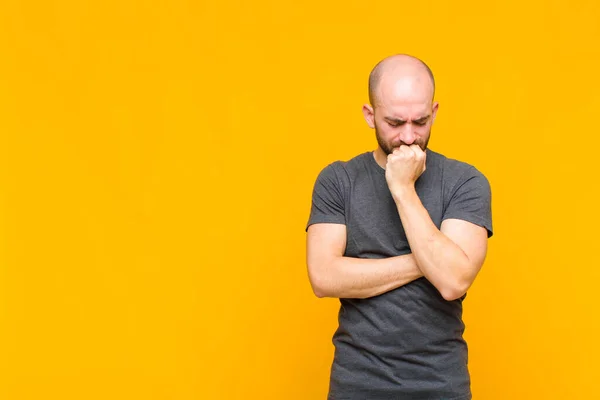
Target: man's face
x,y
403,114
404,124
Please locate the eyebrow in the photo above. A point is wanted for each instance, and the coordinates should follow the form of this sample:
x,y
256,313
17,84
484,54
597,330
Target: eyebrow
x,y
401,121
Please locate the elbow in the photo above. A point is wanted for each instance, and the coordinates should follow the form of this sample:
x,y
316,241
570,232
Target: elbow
x,y
451,294
454,291
457,283
324,279
319,293
318,283
319,289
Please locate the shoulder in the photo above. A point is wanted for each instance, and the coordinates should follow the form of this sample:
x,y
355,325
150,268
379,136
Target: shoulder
x,y
343,170
456,172
451,166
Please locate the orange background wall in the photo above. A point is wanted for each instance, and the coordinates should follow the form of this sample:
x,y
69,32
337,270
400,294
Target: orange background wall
x,y
156,171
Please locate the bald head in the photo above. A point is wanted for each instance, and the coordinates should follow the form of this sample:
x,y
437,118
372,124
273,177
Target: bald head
x,y
401,72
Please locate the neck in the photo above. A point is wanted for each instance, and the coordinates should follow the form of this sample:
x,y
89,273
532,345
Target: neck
x,y
380,157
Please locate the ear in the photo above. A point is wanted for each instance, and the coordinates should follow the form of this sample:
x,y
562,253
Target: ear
x,y
369,115
434,109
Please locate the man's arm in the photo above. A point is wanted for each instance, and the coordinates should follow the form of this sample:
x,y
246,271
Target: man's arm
x,y
450,257
333,275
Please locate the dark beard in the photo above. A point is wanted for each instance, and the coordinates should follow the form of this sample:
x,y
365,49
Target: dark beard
x,y
388,149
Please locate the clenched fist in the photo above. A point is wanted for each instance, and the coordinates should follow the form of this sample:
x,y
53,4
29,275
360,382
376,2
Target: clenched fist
x,y
404,166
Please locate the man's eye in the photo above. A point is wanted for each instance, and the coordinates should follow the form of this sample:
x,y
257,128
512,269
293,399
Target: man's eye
x,y
394,125
420,123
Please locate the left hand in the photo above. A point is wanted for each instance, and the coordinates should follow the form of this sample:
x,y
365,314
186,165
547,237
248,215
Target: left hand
x,y
404,166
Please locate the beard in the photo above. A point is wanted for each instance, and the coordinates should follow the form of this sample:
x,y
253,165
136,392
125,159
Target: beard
x,y
388,147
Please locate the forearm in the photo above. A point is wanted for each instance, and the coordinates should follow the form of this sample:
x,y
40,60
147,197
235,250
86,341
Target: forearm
x,y
441,260
347,277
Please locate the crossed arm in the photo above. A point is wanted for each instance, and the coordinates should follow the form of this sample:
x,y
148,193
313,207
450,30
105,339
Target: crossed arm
x,y
449,258
333,275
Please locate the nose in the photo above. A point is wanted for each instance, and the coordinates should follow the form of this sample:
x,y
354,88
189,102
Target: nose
x,y
408,135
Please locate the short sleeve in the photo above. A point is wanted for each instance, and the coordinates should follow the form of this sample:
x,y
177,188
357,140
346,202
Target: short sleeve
x,y
471,200
327,199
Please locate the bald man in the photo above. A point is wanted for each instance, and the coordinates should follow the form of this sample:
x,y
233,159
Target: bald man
x,y
398,235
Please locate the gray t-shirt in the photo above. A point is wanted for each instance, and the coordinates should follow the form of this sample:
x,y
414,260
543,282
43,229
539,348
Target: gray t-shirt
x,y
406,343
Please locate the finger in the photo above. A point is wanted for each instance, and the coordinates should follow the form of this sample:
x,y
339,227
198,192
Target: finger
x,y
405,149
416,148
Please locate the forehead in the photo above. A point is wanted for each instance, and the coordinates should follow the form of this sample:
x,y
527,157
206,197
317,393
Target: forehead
x,y
406,98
